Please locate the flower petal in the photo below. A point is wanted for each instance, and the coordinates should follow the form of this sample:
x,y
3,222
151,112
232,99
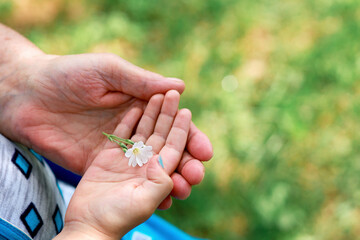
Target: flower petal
x,y
134,163
132,160
139,160
129,152
148,148
138,144
141,157
145,160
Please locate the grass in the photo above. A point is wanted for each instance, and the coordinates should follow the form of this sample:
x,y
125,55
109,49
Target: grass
x,y
275,85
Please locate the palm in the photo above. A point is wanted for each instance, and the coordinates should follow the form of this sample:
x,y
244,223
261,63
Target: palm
x,y
78,98
119,190
125,196
77,143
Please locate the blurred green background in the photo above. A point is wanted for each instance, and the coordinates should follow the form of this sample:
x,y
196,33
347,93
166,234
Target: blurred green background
x,y
274,84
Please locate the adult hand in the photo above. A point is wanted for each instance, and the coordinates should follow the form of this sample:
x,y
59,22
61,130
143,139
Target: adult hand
x,y
59,105
112,197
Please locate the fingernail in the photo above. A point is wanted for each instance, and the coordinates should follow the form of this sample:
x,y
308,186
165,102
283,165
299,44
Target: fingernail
x,y
161,162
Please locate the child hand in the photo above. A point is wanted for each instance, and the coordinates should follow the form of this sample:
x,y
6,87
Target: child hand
x,y
112,197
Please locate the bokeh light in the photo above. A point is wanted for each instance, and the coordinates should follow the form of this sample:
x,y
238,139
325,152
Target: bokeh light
x,y
274,84
229,83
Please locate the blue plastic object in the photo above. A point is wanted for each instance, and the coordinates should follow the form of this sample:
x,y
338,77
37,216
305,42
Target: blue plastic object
x,y
156,228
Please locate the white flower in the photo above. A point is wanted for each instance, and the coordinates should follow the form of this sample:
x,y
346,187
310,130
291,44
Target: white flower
x,y
139,154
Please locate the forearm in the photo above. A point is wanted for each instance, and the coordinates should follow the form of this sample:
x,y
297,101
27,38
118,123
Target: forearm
x,y
15,51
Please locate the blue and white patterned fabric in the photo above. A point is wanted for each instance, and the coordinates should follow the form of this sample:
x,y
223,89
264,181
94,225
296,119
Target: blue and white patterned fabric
x,y
31,204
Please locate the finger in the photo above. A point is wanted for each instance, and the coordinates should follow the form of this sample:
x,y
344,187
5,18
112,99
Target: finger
x,y
148,119
176,140
164,121
199,145
166,203
182,188
159,185
126,126
191,169
113,98
135,81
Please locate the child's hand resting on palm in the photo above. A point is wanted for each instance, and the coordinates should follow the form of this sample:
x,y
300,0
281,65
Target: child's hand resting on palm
x,y
113,197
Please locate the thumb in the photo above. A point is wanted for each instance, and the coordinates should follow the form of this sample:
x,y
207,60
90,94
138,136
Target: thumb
x,y
161,183
138,82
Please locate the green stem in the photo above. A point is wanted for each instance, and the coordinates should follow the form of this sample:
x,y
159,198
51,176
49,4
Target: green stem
x,y
113,138
124,150
123,146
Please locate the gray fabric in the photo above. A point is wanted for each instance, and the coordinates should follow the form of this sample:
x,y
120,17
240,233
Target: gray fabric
x,y
17,192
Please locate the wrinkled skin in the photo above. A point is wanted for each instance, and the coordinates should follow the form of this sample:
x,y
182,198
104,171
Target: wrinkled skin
x,y
112,197
59,105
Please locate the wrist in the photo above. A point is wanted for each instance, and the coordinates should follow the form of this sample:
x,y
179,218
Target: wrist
x,y
83,231
15,86
17,58
11,90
